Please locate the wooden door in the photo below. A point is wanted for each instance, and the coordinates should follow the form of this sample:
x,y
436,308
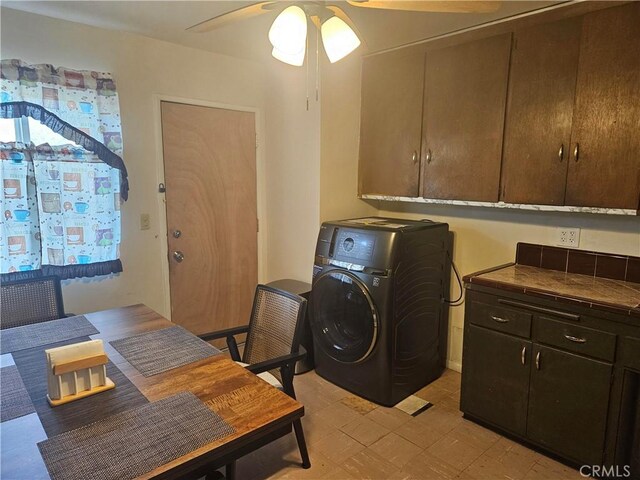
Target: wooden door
x,y
495,378
568,404
542,79
465,97
390,125
210,175
605,169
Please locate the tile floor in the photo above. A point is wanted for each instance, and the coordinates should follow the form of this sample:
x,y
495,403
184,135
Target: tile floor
x,y
351,438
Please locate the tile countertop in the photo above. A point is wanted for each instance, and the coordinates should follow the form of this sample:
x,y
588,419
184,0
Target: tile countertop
x,y
613,295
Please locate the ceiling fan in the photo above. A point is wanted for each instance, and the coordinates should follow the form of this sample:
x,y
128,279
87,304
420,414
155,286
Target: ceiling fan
x,y
288,33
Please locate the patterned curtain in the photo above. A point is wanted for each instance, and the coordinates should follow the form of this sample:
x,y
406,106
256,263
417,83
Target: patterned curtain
x,y
61,204
20,240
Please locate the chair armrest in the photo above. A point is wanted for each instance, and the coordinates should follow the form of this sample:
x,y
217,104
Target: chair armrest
x,y
227,332
277,362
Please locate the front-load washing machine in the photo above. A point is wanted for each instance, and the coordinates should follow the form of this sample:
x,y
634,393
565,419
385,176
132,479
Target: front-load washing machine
x,y
378,311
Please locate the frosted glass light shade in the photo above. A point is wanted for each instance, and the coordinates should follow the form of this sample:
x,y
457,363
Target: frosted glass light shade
x,y
288,33
338,39
295,59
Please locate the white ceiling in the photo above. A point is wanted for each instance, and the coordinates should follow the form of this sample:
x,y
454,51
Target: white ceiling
x,y
167,20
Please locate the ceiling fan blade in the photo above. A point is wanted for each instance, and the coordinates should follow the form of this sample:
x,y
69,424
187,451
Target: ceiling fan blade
x,y
442,6
230,17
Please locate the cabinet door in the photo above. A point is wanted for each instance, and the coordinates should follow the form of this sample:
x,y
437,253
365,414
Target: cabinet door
x,y
390,125
605,172
495,378
568,404
542,79
465,96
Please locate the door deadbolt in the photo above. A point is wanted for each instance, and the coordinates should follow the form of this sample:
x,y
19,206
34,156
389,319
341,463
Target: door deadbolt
x,y
177,233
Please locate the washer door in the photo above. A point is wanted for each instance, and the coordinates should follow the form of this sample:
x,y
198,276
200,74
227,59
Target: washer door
x,y
344,320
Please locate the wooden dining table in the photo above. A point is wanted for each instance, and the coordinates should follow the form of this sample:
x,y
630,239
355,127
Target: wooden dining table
x,y
258,412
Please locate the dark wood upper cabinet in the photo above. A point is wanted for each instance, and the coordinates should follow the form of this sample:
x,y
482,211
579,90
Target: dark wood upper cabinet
x,y
390,126
542,79
604,168
463,119
544,112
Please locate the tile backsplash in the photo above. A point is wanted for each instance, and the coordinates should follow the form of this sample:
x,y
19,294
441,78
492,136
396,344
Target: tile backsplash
x,y
598,264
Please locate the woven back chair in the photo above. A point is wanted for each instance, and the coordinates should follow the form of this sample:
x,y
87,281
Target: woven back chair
x,y
25,302
274,327
272,346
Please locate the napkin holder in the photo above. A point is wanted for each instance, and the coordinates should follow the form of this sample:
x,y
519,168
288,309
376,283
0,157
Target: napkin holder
x,y
76,371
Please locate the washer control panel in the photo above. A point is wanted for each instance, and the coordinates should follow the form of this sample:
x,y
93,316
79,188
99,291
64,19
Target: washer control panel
x,y
355,244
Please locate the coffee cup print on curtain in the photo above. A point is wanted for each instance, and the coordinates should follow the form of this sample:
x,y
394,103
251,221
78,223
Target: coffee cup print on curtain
x,y
75,236
72,182
50,202
12,188
21,214
50,98
81,207
17,244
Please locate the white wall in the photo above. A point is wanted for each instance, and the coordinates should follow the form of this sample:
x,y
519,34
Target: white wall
x,y
145,67
340,133
293,171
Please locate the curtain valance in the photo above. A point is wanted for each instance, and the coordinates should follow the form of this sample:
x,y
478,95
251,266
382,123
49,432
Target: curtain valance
x,y
82,106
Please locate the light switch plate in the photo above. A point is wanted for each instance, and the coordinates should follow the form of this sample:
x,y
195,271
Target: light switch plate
x,y
145,221
568,237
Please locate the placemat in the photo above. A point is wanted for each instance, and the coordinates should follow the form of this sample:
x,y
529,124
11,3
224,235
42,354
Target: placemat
x,y
29,336
161,350
134,442
32,366
14,399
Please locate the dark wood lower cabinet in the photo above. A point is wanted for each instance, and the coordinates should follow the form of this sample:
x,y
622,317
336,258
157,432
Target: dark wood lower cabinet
x,y
562,379
568,404
495,380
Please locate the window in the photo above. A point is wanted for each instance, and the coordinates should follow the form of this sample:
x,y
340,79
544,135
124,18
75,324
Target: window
x,y
27,130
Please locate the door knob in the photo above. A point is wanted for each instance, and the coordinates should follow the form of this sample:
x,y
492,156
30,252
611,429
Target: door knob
x,y
178,256
177,233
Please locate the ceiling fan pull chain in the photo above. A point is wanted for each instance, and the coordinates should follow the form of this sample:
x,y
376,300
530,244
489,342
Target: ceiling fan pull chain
x,y
306,49
317,63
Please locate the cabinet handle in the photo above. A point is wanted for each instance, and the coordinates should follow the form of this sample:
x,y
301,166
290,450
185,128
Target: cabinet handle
x,y
576,152
428,155
414,157
561,152
499,319
568,316
523,355
538,361
575,339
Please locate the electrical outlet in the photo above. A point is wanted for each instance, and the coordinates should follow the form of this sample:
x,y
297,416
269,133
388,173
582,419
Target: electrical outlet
x,y
145,221
568,237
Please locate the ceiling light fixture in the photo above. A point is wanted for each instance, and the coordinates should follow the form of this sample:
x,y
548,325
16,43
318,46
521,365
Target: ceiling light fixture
x,y
288,35
338,39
